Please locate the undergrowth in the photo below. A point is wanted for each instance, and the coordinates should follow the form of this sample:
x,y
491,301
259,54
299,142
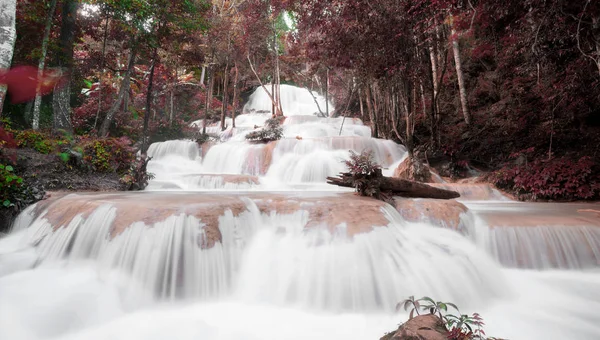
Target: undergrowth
x,y
556,179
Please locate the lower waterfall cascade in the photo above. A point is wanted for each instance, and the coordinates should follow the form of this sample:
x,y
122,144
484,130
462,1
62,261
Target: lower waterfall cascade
x,y
234,240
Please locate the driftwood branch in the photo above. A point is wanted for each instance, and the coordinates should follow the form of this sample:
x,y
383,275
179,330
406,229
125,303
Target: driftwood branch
x,y
398,187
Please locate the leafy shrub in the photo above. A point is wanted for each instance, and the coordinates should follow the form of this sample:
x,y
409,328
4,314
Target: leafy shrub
x,y
14,193
36,140
459,327
108,154
272,131
365,173
138,176
557,179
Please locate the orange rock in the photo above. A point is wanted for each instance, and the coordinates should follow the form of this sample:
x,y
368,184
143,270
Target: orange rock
x,y
360,214
442,213
422,327
413,170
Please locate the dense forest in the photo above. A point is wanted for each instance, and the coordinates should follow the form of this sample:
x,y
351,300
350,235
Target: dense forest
x,y
508,88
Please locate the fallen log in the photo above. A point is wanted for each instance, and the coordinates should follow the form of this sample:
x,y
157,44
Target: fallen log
x,y
397,187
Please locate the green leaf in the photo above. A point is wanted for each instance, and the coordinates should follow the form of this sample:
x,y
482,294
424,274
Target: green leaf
x,y
9,168
6,203
452,305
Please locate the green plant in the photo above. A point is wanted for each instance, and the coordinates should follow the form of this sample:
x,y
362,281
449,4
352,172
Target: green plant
x,y
35,140
460,327
272,131
365,173
10,184
106,154
137,177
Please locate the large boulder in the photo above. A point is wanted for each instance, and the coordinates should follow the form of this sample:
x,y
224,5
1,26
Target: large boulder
x,y
413,170
422,327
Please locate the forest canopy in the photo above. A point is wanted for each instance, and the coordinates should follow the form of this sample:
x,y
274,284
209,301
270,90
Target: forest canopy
x,y
492,85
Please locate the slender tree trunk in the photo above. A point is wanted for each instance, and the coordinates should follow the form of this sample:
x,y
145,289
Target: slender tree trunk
x,y
146,138
360,102
61,100
327,92
38,97
102,65
123,90
8,35
203,75
270,94
209,95
274,102
372,117
234,103
224,102
461,78
171,99
278,91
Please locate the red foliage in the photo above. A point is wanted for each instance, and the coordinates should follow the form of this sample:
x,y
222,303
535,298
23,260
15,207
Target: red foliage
x,y
8,146
557,179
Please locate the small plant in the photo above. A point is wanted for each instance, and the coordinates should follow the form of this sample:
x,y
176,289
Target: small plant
x,y
9,185
202,138
14,192
272,131
460,327
365,173
137,177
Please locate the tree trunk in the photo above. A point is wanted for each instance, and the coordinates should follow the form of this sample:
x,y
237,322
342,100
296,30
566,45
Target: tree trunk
x,y
8,35
461,78
360,102
38,97
146,139
209,94
398,187
224,102
234,103
327,92
102,64
372,117
123,90
203,75
61,100
171,98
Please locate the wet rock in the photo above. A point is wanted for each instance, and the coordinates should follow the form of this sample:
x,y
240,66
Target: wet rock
x,y
422,327
413,170
441,213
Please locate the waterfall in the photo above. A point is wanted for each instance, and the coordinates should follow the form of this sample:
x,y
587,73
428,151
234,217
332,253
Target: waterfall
x,y
235,240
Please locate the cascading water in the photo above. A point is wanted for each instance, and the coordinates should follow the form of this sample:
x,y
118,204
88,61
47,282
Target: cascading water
x,y
246,241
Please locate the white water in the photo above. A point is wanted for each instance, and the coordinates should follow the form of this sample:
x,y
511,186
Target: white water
x,y
272,276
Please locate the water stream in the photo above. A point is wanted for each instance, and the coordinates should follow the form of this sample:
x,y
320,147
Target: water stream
x,y
247,241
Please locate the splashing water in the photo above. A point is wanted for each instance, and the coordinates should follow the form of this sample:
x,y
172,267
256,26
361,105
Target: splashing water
x,y
246,241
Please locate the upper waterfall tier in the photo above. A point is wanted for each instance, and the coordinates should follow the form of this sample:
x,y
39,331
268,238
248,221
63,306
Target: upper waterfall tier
x,y
294,101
